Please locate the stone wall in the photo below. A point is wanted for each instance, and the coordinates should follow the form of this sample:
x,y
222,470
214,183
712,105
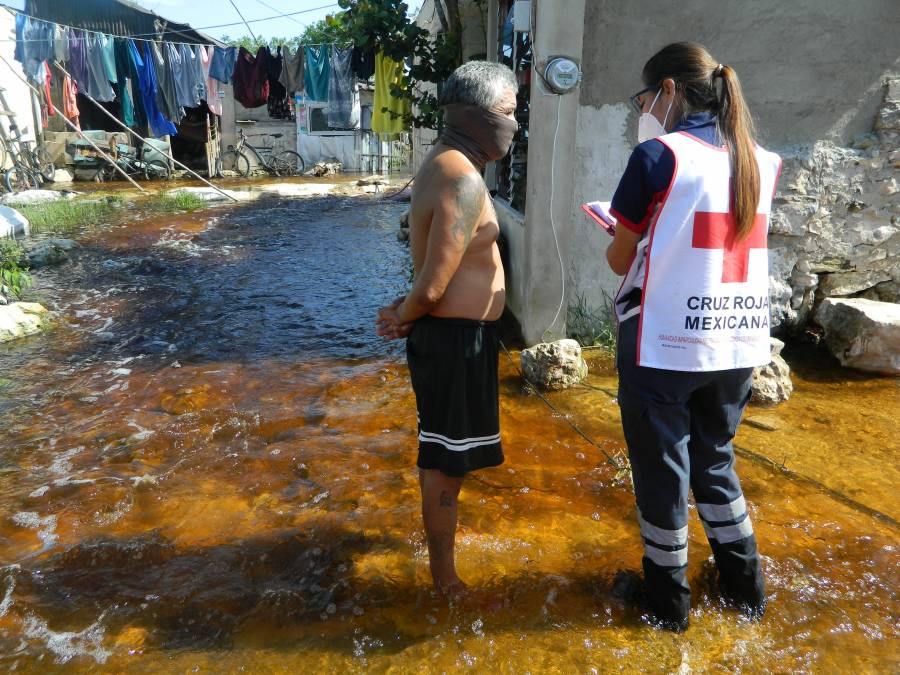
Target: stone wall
x,y
835,228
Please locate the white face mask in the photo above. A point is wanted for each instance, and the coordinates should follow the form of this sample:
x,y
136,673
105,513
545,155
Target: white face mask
x,y
648,126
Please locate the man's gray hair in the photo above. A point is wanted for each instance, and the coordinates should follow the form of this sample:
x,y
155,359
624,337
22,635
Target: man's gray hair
x,y
478,83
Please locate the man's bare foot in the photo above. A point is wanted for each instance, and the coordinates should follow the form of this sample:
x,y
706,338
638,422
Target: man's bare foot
x,y
452,591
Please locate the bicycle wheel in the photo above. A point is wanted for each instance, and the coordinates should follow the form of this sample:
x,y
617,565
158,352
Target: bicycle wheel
x,y
288,163
156,170
236,162
45,165
18,178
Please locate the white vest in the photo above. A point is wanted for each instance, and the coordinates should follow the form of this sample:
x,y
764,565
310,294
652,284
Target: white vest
x,y
705,296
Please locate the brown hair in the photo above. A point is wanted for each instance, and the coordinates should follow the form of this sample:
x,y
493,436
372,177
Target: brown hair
x,y
695,73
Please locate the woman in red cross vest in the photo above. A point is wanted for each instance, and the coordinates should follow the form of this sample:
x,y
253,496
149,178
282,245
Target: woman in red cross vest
x,y
692,212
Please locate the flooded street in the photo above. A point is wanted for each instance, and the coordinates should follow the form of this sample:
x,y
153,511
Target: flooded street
x,y
208,465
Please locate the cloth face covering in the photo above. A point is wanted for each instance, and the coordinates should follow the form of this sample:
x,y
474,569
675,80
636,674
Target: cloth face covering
x,y
481,135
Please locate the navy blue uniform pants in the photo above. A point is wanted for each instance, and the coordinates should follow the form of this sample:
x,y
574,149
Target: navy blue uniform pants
x,y
678,427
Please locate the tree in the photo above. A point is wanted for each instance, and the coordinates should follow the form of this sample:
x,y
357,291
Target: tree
x,y
331,29
386,25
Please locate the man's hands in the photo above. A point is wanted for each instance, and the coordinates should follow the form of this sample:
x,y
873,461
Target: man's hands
x,y
389,325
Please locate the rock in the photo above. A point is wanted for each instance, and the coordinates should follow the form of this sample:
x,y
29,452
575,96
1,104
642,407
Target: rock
x,y
326,169
63,176
297,189
771,383
404,221
848,283
12,223
36,196
20,319
402,234
209,194
862,333
50,252
372,180
554,365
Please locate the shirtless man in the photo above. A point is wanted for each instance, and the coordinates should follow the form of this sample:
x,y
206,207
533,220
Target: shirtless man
x,y
450,316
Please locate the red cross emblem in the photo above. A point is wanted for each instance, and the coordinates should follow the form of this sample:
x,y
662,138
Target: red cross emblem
x,y
718,231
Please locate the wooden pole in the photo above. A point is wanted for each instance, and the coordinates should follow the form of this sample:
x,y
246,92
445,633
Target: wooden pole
x,y
69,122
137,135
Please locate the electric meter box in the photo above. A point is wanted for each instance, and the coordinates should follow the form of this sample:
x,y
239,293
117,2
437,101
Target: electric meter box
x,y
562,75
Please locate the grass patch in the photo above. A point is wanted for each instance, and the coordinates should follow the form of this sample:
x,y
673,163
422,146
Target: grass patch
x,y
592,326
13,265
178,201
69,215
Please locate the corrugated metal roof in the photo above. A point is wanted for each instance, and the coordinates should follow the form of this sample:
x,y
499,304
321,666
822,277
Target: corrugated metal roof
x,y
119,17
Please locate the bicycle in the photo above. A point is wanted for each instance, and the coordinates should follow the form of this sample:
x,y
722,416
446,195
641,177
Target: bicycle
x,y
132,164
31,166
274,160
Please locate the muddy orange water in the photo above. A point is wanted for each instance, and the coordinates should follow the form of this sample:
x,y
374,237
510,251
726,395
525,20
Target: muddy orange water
x,y
207,465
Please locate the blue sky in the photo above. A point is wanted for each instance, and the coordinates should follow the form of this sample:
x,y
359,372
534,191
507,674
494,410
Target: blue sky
x,y
202,13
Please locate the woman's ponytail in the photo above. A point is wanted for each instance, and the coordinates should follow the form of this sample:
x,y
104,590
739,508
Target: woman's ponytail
x,y
736,127
695,73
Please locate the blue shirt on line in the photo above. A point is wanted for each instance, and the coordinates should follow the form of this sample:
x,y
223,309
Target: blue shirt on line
x,y
649,172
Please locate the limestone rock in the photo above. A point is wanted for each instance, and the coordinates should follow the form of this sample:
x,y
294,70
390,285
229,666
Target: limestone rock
x,y
554,365
771,383
12,223
842,284
326,169
50,252
36,196
63,176
371,180
20,319
862,333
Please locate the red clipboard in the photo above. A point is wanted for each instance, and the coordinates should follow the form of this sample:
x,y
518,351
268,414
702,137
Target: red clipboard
x,y
609,228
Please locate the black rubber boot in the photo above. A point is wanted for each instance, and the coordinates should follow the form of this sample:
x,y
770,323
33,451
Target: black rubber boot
x,y
668,596
740,575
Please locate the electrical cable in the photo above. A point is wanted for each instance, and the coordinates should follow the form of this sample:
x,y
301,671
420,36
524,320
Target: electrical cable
x,y
562,267
275,9
252,34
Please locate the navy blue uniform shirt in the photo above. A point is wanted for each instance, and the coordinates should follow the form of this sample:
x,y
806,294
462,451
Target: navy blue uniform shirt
x,y
649,172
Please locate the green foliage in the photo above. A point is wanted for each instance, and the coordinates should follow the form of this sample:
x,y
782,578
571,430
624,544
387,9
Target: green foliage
x,y
178,201
386,25
592,326
13,263
325,31
68,215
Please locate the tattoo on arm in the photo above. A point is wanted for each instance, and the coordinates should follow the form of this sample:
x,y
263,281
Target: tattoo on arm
x,y
470,195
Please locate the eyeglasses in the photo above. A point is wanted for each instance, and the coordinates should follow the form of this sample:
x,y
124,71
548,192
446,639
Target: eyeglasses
x,y
636,98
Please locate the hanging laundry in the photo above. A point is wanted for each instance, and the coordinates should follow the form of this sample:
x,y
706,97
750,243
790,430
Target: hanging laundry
x,y
362,63
277,103
132,89
38,40
187,76
78,62
70,101
318,71
109,57
251,88
166,93
388,72
120,58
61,43
19,54
341,88
148,86
213,102
45,97
292,70
222,65
98,86
199,74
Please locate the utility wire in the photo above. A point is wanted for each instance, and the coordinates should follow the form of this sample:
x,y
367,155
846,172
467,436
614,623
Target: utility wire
x,y
252,34
275,9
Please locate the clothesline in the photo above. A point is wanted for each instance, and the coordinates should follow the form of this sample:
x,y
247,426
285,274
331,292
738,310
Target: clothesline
x,y
141,39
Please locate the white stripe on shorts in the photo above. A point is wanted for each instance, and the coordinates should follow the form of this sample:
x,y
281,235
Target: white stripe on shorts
x,y
458,445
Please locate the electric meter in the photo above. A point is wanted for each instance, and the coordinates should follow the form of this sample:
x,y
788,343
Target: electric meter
x,y
562,75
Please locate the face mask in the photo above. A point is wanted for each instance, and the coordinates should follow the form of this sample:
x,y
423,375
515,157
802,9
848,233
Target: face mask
x,y
481,135
648,126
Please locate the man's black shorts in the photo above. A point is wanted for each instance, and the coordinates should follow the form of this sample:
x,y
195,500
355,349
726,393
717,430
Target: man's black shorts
x,y
453,367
